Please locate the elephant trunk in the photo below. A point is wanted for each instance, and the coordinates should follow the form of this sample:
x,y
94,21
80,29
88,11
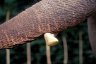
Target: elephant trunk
x,y
45,16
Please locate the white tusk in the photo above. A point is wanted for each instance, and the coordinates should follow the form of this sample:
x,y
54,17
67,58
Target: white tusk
x,y
50,39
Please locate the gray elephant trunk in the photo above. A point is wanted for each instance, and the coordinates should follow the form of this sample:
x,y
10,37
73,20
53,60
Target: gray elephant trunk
x,y
45,16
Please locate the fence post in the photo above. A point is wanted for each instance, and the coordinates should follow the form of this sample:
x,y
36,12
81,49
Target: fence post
x,y
7,50
7,56
48,54
65,50
80,48
28,48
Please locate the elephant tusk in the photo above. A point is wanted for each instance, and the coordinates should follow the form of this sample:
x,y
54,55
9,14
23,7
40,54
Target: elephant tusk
x,y
50,39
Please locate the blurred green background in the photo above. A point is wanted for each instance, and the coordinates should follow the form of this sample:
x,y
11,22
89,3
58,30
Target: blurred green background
x,y
38,48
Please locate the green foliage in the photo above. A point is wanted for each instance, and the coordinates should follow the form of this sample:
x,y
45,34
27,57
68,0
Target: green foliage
x,y
9,2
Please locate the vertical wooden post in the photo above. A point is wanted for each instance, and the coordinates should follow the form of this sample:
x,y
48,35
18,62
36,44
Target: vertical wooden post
x,y
7,56
65,50
80,48
28,48
48,54
7,50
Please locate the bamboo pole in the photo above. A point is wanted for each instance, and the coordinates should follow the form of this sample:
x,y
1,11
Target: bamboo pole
x,y
28,53
7,50
65,50
7,56
48,54
80,48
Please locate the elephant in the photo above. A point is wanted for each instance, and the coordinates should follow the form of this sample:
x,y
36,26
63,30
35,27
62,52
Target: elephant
x,y
48,16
